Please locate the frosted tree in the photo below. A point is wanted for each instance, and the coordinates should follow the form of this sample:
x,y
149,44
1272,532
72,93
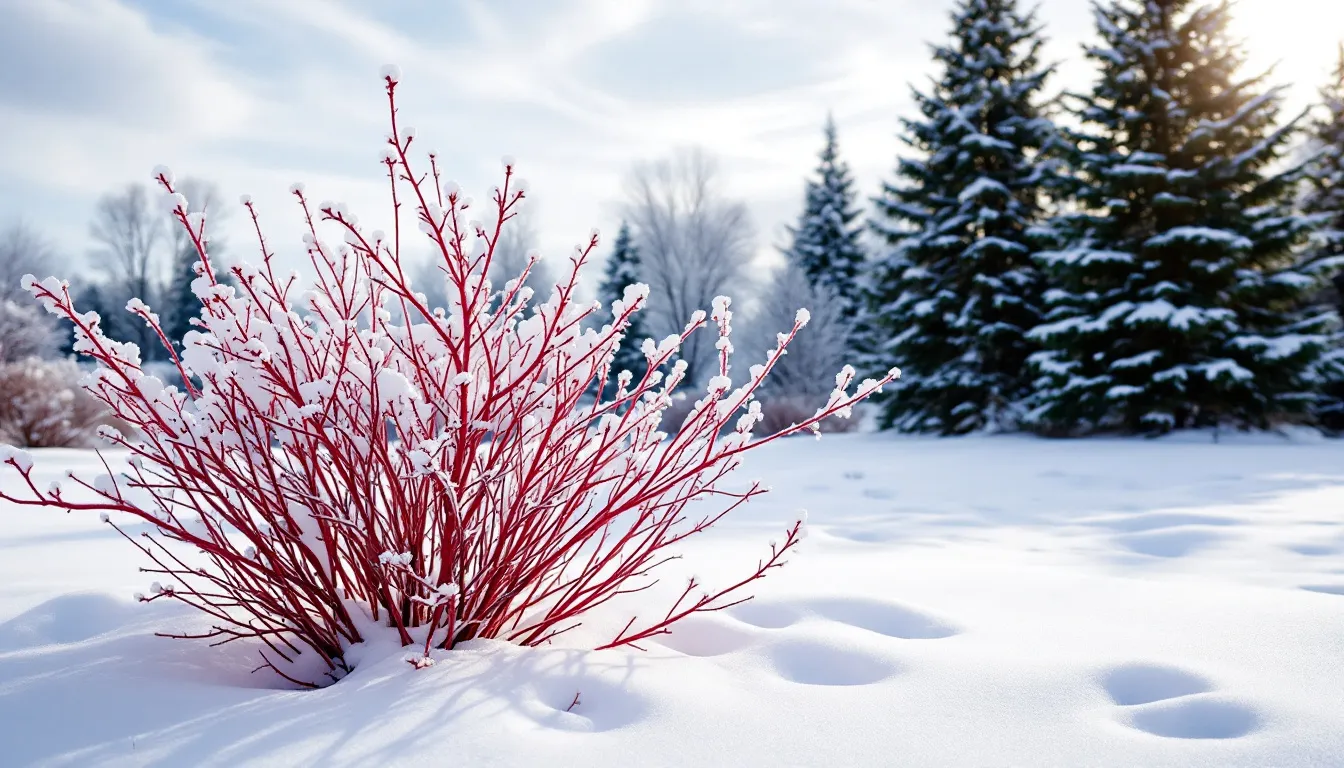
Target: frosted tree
x,y
517,245
1324,201
1178,301
805,373
825,243
515,250
22,250
25,332
130,234
956,292
622,269
695,242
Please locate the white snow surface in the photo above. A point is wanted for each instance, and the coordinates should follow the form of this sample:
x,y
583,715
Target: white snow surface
x,y
985,601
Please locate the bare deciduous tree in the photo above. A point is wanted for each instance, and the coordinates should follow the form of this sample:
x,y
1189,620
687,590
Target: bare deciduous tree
x,y
806,373
818,352
517,239
695,243
26,331
130,235
23,251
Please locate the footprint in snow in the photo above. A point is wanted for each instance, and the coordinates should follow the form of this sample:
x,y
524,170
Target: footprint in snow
x,y
884,618
1199,718
708,635
1173,703
1133,684
810,662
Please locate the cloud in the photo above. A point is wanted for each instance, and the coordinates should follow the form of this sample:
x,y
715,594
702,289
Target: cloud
x,y
682,56
99,60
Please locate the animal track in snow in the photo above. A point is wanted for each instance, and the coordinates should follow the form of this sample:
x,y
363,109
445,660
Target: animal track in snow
x,y
883,618
1133,684
816,663
1197,718
707,635
1173,703
767,614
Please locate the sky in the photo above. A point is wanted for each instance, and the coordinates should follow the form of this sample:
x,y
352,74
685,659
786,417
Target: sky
x,y
256,94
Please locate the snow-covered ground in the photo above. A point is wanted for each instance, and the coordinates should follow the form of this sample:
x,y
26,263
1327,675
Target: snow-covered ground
x,y
971,602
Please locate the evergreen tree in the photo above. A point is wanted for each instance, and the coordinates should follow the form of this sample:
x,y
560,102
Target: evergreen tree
x,y
180,304
952,300
622,269
825,244
1324,201
1177,302
1325,195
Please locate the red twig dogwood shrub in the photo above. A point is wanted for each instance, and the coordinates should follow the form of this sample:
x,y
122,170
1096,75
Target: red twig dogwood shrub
x,y
348,456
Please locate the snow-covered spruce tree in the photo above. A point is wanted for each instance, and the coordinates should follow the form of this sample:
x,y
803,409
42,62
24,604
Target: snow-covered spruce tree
x,y
622,270
376,470
825,243
956,292
1325,171
1178,300
1324,201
